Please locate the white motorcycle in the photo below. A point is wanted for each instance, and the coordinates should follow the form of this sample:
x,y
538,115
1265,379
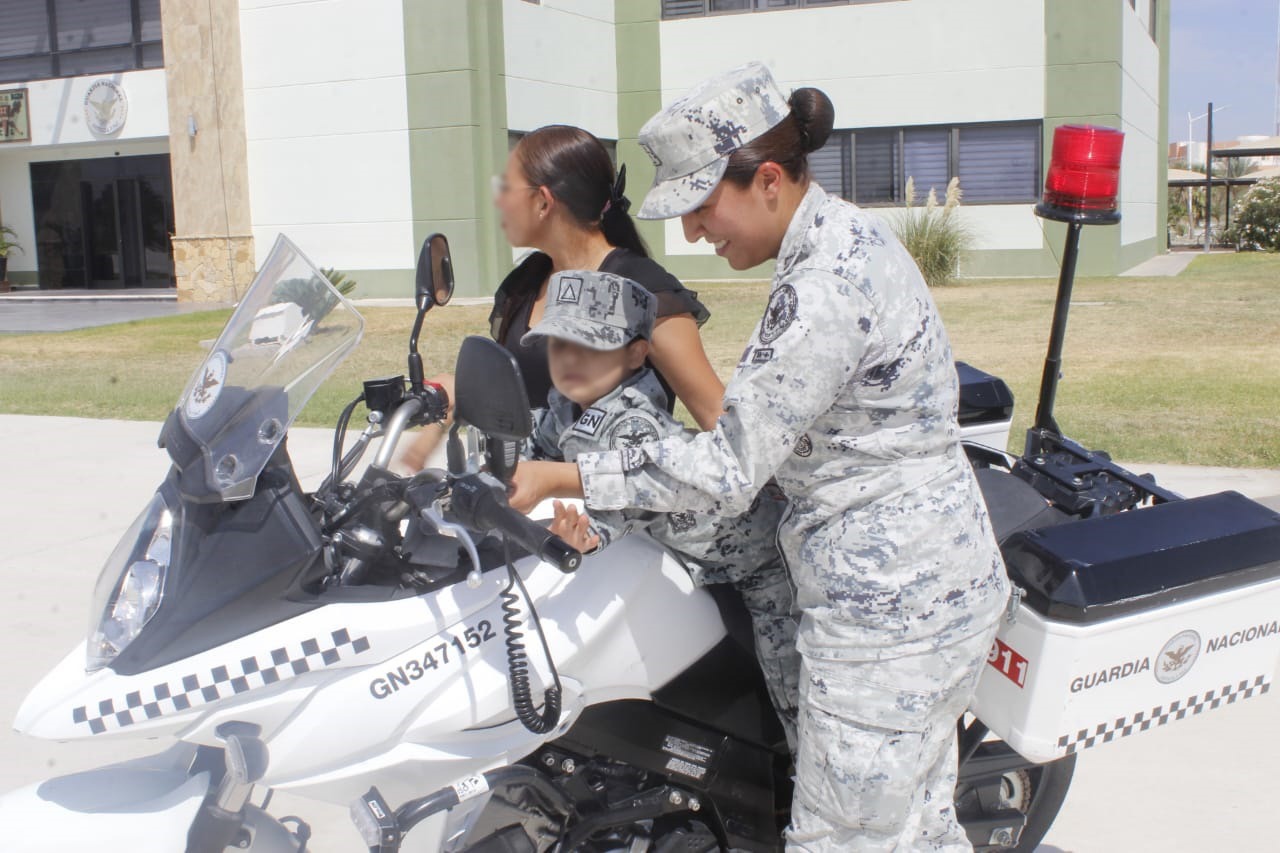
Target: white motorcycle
x,y
414,647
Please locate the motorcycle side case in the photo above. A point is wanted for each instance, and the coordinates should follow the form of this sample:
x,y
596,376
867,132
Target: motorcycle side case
x,y
1133,621
985,408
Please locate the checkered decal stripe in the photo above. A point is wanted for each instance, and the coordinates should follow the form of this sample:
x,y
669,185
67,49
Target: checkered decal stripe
x,y
1161,715
169,697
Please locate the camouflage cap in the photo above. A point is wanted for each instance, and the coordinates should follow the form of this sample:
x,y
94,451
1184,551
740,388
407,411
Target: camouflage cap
x,y
690,141
599,310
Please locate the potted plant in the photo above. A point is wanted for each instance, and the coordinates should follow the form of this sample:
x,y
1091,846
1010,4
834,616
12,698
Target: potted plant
x,y
7,245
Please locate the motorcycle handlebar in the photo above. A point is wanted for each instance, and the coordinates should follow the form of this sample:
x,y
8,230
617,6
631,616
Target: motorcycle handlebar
x,y
480,502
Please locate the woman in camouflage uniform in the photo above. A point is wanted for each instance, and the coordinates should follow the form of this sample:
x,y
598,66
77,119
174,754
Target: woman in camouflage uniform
x,y
846,395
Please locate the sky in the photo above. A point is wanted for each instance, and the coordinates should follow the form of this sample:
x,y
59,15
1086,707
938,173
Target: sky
x,y
1223,51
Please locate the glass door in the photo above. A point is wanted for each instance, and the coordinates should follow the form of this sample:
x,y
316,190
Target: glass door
x,y
104,223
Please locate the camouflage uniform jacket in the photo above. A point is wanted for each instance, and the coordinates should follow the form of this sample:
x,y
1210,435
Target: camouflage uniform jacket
x,y
847,395
715,550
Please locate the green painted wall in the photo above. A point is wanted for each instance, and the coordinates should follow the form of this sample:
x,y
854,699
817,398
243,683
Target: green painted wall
x,y
1083,74
457,138
639,97
458,133
1011,263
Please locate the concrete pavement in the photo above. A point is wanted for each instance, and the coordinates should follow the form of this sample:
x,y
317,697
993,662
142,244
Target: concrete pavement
x,y
64,314
70,487
1167,264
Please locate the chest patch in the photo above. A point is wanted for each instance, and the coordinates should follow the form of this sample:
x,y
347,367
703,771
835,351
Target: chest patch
x,y
633,430
589,423
779,314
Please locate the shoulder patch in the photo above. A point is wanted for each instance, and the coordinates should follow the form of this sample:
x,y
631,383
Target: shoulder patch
x,y
762,355
589,423
632,430
778,314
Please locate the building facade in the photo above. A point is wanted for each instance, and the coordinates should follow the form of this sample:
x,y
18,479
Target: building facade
x,y
358,127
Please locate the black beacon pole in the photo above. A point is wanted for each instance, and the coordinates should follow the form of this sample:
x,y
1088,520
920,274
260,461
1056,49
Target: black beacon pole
x,y
1081,188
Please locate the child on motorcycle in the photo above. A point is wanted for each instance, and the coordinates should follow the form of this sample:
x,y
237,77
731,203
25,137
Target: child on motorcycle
x,y
604,398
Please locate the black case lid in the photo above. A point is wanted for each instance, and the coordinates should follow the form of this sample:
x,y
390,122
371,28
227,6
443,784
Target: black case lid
x,y
983,397
1088,571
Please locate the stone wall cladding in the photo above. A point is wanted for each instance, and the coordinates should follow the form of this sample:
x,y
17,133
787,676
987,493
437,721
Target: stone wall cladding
x,y
213,269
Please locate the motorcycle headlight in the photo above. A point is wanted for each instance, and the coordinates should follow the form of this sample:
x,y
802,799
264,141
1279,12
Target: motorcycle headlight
x,y
131,585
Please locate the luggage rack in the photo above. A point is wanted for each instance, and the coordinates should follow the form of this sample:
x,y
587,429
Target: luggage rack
x,y
1084,482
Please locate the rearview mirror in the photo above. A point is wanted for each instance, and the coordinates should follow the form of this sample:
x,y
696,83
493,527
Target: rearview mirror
x,y
433,284
489,391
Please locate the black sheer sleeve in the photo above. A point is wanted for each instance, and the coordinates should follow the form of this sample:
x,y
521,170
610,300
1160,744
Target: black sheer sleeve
x,y
673,297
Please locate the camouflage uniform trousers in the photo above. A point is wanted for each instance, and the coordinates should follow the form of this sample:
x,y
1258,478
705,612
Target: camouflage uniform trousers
x,y
877,762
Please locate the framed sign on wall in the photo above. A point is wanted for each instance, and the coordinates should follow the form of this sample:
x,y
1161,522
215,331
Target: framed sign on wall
x,y
15,116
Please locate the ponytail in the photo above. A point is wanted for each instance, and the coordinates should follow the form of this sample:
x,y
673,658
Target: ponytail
x,y
616,222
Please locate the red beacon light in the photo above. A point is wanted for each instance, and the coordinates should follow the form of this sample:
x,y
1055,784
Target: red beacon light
x,y
1082,187
1083,182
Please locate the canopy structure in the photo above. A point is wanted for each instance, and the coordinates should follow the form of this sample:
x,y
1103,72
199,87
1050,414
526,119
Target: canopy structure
x,y
1267,147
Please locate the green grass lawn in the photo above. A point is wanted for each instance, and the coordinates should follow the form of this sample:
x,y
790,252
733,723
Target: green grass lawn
x,y
1182,370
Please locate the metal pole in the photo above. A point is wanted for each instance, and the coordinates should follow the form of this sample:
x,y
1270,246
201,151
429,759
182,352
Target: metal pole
x,y
1058,334
1208,180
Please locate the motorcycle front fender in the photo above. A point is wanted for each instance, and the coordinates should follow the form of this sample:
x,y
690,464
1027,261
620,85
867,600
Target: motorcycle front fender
x,y
138,806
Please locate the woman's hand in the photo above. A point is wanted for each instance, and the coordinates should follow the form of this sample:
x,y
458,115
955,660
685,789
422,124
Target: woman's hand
x,y
414,457
534,482
574,528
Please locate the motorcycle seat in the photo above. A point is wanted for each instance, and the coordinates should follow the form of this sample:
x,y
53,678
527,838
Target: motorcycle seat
x,y
1014,505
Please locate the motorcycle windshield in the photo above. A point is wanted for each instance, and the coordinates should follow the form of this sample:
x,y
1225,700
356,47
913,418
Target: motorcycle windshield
x,y
287,335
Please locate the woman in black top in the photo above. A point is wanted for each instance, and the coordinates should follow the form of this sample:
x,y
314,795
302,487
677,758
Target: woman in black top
x,y
559,195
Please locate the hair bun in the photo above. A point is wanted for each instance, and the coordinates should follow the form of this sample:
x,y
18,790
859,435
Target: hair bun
x,y
814,116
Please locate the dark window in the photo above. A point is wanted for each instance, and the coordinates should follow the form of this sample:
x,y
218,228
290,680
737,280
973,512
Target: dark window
x,y
827,164
877,167
40,39
683,8
699,8
1152,13
996,163
999,162
926,160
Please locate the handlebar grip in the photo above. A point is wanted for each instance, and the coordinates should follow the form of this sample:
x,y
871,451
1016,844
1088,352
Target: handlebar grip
x,y
561,554
480,502
537,539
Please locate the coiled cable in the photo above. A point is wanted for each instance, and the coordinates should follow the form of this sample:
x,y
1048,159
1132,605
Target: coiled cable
x,y
518,659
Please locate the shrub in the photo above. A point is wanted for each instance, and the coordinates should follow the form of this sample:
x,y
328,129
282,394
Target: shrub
x,y
934,234
1256,218
315,303
339,280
